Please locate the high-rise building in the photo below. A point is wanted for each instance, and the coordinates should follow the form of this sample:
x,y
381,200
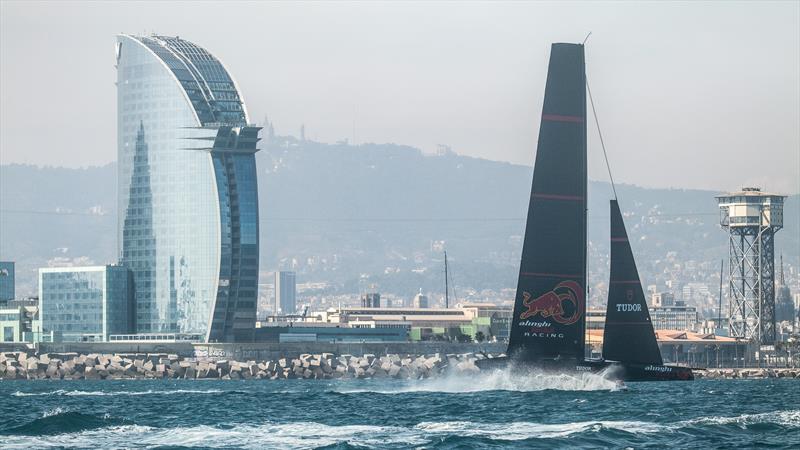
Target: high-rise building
x,y
371,300
188,200
286,292
86,303
784,306
7,289
420,301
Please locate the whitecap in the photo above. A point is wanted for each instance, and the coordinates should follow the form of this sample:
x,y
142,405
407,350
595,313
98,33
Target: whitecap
x,y
290,436
527,430
501,380
788,418
78,393
54,412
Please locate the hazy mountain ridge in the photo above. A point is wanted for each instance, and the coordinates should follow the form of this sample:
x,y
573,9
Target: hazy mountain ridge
x,y
334,212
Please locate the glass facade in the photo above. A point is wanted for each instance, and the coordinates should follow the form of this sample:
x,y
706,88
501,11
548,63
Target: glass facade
x,y
86,303
188,199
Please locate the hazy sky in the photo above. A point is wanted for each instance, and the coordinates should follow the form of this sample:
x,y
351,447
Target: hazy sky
x,y
688,94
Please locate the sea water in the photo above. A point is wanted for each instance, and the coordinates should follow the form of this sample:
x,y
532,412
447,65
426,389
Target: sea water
x,y
492,410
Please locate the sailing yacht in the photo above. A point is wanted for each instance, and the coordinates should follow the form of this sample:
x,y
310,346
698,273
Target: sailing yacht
x,y
549,319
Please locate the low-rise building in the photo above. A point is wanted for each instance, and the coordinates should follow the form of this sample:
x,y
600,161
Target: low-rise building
x,y
676,317
595,318
19,321
466,321
308,331
86,303
687,348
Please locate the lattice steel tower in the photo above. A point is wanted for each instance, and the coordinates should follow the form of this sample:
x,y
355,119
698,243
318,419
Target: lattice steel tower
x,y
752,218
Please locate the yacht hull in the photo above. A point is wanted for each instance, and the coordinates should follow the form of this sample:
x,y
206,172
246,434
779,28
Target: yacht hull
x,y
612,370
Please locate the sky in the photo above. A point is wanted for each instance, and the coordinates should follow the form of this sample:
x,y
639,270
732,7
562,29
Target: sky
x,y
702,95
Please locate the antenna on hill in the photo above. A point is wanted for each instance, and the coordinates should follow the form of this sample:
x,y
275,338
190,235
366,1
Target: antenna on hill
x,y
446,290
354,126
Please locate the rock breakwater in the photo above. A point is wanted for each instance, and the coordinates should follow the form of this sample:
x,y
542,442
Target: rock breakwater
x,y
747,373
73,366
120,366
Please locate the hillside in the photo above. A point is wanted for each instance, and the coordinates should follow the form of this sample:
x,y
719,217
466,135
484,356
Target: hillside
x,y
376,214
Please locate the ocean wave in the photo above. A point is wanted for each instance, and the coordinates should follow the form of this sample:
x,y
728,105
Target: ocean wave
x,y
789,418
501,380
60,421
529,430
59,428
290,436
77,393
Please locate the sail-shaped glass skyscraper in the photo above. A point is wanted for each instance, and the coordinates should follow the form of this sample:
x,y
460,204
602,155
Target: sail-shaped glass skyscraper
x,y
188,200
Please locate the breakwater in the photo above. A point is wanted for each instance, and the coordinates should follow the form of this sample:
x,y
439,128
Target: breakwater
x,y
735,373
22,365
74,366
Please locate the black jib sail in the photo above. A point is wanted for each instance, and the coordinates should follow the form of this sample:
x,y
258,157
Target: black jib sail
x,y
549,308
628,335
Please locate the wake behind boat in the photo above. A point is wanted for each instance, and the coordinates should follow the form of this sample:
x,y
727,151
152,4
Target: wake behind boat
x,y
549,321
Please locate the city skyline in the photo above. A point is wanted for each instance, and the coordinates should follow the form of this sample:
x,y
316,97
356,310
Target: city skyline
x,y
482,100
406,202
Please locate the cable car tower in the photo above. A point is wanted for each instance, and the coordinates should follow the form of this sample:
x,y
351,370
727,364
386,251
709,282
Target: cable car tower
x,y
752,218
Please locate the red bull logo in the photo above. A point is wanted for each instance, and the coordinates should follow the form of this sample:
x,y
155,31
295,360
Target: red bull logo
x,y
551,304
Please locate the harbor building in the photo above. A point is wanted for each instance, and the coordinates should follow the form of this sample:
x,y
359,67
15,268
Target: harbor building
x,y
7,281
188,200
422,324
301,331
285,293
86,303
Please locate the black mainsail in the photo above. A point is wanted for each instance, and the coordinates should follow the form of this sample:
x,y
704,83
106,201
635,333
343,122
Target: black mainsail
x,y
548,320
628,336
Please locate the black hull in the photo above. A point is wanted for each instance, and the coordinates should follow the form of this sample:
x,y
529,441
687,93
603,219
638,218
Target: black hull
x,y
611,370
